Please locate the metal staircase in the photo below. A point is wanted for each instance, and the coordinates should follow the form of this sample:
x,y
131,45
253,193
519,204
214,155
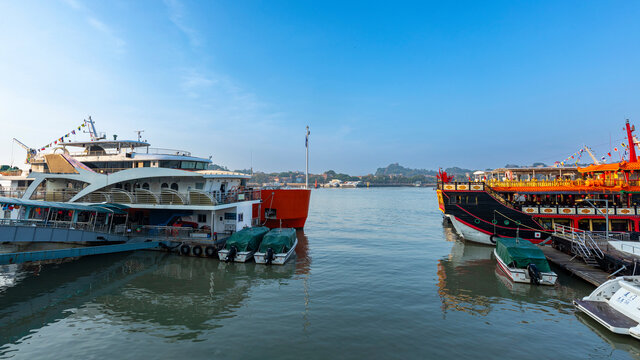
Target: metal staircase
x,y
583,244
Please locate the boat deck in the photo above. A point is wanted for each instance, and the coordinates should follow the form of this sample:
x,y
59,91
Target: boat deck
x,y
576,267
606,313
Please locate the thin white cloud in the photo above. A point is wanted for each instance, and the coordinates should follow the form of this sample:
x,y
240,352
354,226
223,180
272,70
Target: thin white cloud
x,y
177,17
108,32
100,26
74,4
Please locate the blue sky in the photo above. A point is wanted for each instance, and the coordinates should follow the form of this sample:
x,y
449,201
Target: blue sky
x,y
426,84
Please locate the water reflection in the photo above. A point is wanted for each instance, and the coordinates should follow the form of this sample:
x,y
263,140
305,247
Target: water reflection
x,y
470,281
154,291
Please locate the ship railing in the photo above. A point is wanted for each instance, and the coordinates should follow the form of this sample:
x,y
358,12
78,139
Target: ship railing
x,y
55,195
563,183
630,248
161,151
583,242
170,233
170,197
12,193
56,224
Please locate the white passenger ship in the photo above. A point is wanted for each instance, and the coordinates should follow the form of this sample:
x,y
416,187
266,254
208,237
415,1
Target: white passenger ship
x,y
156,186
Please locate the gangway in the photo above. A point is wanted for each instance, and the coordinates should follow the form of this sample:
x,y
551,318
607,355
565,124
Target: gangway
x,y
59,254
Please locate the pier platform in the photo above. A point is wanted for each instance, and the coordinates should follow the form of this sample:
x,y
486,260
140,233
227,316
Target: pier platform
x,y
576,267
75,252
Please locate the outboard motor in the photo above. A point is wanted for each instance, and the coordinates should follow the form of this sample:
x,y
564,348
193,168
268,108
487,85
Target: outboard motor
x,y
231,254
534,274
269,256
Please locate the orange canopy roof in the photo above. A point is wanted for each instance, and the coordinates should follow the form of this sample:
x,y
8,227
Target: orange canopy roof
x,y
624,166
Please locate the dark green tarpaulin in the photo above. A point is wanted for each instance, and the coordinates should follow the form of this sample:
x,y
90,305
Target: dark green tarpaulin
x,y
247,239
280,240
522,253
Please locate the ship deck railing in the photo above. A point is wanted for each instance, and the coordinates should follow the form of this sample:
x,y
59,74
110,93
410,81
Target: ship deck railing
x,y
56,224
173,233
166,196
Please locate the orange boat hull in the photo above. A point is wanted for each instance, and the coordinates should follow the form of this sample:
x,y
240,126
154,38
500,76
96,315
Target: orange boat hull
x,y
283,208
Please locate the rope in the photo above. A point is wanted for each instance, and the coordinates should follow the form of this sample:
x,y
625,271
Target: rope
x,y
270,204
523,225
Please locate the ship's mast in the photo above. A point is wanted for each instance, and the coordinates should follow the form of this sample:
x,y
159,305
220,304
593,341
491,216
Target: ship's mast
x,y
93,134
632,145
306,145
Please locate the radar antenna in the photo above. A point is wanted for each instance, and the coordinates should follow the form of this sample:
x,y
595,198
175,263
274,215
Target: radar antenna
x,y
139,132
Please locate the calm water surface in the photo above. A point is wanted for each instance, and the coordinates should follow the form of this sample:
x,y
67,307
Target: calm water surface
x,y
376,275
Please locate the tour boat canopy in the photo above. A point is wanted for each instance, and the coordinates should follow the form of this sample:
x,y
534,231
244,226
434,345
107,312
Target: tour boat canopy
x,y
99,208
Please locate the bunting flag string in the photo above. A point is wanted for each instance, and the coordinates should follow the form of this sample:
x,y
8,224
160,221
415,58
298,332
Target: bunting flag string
x,y
61,138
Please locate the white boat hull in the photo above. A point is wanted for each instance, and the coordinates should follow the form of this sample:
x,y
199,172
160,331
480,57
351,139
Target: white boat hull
x,y
615,305
241,256
278,259
469,233
522,275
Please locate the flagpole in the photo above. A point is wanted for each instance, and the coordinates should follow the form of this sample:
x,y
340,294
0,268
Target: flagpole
x,y
306,145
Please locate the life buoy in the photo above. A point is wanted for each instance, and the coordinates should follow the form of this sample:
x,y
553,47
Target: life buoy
x,y
210,251
185,249
197,250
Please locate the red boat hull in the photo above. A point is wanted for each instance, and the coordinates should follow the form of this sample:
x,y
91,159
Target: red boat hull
x,y
283,208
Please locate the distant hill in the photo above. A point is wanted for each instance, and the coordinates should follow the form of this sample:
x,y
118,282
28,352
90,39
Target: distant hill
x,y
399,170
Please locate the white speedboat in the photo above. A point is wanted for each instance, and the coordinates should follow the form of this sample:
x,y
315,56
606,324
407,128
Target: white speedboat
x,y
277,247
241,246
615,304
523,262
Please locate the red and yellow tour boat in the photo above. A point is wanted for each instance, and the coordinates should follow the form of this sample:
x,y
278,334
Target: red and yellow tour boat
x,y
530,202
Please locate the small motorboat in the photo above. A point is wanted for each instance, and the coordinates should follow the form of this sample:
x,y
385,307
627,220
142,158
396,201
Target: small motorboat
x,y
615,304
523,262
241,246
277,247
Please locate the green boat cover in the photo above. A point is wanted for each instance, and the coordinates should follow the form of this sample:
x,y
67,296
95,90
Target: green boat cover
x,y
280,240
247,239
522,253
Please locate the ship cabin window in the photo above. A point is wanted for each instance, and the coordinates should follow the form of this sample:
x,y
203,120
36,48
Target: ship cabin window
x,y
171,164
241,217
199,186
584,224
453,199
202,218
127,186
188,165
243,182
229,216
145,186
620,225
118,186
164,186
201,166
136,185
146,163
598,225
564,222
174,186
